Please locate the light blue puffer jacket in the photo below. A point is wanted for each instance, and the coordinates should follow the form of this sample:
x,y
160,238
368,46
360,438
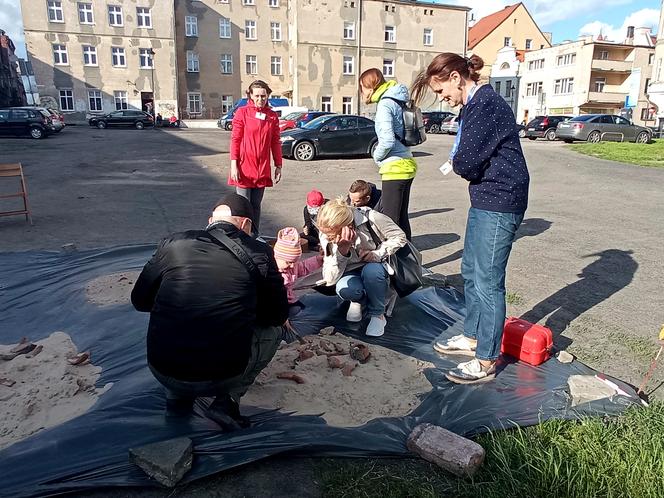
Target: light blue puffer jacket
x,y
389,119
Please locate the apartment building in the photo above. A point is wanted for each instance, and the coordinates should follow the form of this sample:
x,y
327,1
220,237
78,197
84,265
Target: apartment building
x,y
588,76
98,56
655,90
309,51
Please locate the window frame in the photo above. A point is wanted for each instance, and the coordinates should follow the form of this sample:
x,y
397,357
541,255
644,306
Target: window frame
x,y
348,59
347,102
529,43
191,27
120,97
90,51
121,54
390,73
248,3
427,31
276,62
145,52
326,106
251,63
55,7
226,23
99,98
68,98
193,62
251,29
349,30
189,101
143,14
222,62
114,14
274,4
60,52
275,28
390,34
82,12
225,105
507,41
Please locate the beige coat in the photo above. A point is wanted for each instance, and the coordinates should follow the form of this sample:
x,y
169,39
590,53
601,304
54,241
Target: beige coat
x,y
336,264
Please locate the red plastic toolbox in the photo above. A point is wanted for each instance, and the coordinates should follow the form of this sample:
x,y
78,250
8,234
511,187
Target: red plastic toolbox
x,y
527,342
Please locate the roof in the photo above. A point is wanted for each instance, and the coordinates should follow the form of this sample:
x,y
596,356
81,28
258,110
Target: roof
x,y
483,28
521,55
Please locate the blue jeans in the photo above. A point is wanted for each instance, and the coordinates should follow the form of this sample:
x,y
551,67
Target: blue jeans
x,y
255,196
367,285
486,249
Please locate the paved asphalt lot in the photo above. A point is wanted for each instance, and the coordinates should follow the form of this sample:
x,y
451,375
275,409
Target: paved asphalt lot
x,y
587,261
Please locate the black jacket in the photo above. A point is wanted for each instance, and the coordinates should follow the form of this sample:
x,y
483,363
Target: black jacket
x,y
204,304
374,198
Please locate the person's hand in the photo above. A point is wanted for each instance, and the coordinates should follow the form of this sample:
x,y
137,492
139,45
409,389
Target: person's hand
x,y
369,256
305,230
235,173
277,174
345,240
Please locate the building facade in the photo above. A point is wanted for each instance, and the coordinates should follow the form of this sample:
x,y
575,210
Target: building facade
x,y
505,75
311,52
96,57
12,92
586,77
655,90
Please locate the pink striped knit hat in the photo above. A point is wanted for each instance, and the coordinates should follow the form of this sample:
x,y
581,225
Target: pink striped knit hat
x,y
288,246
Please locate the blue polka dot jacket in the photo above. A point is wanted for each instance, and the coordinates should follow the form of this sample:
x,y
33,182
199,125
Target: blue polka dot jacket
x,y
489,154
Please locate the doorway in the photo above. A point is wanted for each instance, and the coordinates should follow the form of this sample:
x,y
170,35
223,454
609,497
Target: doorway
x,y
147,102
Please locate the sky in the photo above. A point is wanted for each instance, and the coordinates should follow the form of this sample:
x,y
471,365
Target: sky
x,y
566,19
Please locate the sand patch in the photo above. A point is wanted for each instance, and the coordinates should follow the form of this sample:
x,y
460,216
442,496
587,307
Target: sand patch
x,y
387,385
47,390
112,289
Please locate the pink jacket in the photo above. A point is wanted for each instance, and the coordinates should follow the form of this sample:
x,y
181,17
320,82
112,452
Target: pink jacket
x,y
300,269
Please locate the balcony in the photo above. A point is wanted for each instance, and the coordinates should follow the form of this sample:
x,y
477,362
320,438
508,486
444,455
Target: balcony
x,y
607,97
614,66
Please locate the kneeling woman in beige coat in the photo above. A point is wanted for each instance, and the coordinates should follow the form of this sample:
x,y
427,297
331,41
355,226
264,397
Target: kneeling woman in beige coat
x,y
354,258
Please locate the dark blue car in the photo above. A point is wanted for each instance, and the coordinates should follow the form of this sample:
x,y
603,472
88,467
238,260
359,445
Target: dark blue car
x,y
226,122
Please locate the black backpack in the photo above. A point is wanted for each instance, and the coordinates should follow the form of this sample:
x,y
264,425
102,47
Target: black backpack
x,y
413,124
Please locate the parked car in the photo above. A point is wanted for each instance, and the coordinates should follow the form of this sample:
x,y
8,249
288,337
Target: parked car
x,y
57,121
544,127
226,121
25,121
450,125
335,134
521,129
289,121
597,127
128,117
433,120
310,116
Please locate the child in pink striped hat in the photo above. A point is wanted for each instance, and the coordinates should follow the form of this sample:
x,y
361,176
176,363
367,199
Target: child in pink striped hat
x,y
287,253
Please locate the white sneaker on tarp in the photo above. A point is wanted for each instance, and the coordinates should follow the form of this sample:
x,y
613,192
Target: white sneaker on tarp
x,y
354,313
376,326
459,344
470,372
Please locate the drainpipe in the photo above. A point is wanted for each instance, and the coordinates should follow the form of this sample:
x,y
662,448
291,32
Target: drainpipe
x,y
465,37
359,51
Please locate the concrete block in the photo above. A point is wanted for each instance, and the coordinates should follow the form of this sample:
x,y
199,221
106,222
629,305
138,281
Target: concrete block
x,y
565,357
165,461
454,453
585,388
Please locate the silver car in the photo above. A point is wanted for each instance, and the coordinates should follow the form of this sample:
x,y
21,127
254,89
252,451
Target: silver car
x,y
450,125
594,128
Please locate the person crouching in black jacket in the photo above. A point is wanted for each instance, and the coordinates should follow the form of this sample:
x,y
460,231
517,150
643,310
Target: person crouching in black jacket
x,y
364,194
315,200
215,321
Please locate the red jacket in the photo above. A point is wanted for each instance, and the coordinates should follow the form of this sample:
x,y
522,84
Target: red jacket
x,y
251,142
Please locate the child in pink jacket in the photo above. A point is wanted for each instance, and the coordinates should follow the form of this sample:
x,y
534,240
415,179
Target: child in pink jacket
x,y
287,253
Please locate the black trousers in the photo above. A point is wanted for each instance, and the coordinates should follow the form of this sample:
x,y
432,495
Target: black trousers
x,y
395,199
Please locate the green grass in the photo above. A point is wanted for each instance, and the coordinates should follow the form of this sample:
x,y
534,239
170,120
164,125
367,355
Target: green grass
x,y
594,457
513,298
651,155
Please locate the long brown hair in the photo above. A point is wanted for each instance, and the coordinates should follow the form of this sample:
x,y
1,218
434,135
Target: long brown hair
x,y
441,67
371,78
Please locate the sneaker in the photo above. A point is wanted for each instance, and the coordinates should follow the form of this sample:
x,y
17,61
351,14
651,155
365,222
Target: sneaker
x,y
354,313
471,372
219,413
459,344
376,326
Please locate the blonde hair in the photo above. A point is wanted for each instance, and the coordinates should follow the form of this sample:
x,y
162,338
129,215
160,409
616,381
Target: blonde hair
x,y
335,214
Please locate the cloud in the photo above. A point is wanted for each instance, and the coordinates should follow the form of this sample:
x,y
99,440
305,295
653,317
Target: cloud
x,y
12,24
644,18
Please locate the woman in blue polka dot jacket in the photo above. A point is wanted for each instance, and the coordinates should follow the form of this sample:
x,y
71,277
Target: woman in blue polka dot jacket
x,y
488,154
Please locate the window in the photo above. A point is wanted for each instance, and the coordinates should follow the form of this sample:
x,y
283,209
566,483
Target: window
x,y
498,87
226,63
349,65
193,65
504,66
275,31
536,64
248,2
118,57
533,89
647,114
250,30
565,85
620,120
194,103
115,15
143,17
224,27
604,55
85,13
275,66
566,60
347,105
651,59
599,84
326,104
191,26
428,37
67,100
120,98
60,57
273,3
645,87
226,103
388,68
251,64
55,11
349,30
89,55
145,58
508,88
94,100
507,41
529,44
390,34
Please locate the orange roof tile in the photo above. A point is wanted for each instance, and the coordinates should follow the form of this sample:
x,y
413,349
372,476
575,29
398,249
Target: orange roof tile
x,y
482,28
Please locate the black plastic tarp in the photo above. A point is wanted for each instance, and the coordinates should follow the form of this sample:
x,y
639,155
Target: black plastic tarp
x,y
45,292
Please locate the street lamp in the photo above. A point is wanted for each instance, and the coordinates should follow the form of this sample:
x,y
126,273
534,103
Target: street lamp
x,y
151,53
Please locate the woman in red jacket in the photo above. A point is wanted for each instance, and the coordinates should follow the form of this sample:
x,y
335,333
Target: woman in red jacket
x,y
255,136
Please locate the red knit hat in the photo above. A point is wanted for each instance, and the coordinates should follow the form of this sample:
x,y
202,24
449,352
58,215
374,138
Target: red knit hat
x,y
288,246
315,199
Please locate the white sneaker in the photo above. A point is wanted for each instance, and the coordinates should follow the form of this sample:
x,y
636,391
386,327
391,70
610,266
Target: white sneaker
x,y
354,313
471,372
376,326
459,344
